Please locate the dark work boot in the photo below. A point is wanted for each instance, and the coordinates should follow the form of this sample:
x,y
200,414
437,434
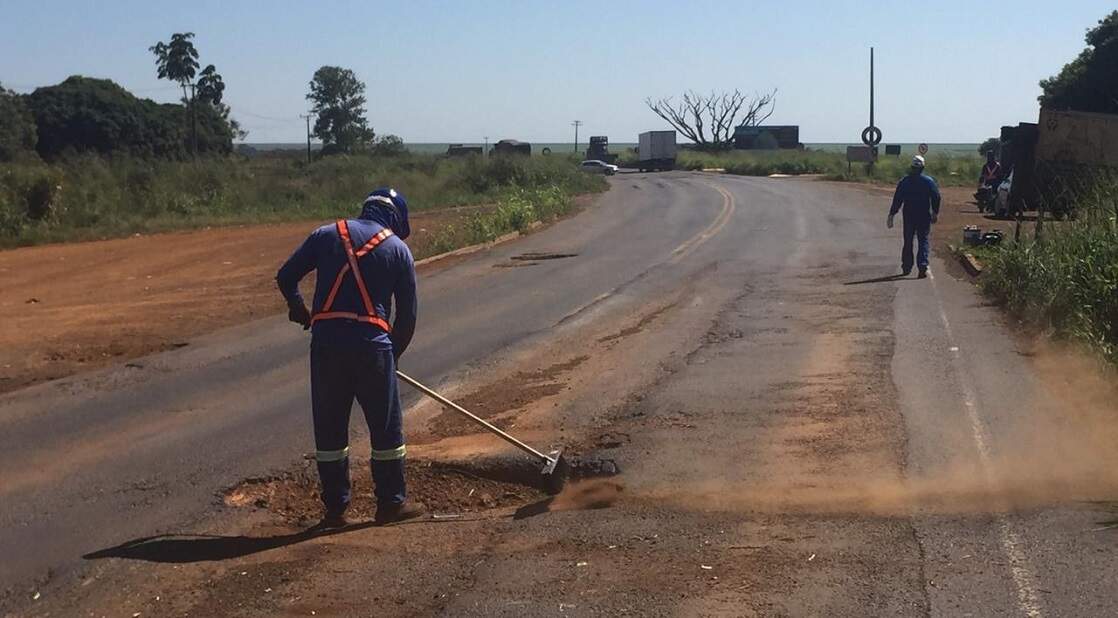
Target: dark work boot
x,y
332,520
392,513
923,274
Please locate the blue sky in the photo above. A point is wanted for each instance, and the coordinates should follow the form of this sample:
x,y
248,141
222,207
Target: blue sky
x,y
457,71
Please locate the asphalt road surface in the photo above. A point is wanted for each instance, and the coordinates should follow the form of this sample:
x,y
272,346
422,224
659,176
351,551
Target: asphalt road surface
x,y
799,434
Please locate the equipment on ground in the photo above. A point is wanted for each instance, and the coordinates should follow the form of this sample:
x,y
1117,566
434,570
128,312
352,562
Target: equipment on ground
x,y
555,471
656,151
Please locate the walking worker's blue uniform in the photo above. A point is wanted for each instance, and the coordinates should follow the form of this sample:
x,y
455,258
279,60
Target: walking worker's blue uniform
x,y
354,354
917,196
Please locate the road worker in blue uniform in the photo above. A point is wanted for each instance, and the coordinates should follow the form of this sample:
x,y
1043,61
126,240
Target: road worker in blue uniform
x,y
918,197
362,266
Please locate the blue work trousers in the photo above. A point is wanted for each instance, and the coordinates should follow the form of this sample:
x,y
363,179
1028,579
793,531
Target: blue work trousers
x,y
340,373
920,228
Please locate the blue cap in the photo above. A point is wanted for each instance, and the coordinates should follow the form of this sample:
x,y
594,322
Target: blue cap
x,y
392,207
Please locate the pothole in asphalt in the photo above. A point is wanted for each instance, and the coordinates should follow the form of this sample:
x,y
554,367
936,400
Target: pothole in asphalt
x,y
445,490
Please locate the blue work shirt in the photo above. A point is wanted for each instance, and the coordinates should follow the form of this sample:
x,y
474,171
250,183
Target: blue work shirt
x,y
388,272
918,195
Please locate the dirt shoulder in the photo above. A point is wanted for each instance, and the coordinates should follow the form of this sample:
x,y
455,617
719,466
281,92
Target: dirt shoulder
x,y
75,307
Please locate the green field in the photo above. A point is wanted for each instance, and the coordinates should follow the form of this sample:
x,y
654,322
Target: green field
x,y
94,197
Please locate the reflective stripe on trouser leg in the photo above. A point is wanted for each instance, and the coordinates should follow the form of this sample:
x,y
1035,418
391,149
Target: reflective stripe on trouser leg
x,y
325,456
389,454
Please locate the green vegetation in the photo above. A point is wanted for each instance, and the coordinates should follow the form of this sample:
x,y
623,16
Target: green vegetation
x,y
514,212
17,126
83,115
88,196
948,170
990,144
1090,82
339,107
1066,281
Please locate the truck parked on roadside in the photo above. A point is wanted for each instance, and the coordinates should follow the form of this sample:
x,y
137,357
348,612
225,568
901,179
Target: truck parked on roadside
x,y
1052,162
599,149
511,147
656,151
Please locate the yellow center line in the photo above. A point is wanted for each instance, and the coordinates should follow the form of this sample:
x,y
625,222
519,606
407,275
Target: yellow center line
x,y
728,207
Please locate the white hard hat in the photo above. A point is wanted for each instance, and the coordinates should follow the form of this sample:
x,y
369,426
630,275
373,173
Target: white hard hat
x,y
917,161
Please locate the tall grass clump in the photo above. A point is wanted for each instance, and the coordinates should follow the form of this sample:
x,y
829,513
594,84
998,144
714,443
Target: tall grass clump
x,y
516,211
1066,281
92,196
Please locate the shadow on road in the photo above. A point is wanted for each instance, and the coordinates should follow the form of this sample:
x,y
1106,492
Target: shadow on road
x,y
879,280
207,548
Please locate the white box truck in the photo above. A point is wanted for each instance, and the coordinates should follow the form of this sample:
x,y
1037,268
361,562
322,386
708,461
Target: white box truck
x,y
656,150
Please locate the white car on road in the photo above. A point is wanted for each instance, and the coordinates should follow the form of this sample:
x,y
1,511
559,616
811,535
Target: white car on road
x,y
594,166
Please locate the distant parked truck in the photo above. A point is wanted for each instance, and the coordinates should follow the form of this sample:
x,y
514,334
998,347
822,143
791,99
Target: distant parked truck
x,y
771,137
1058,158
599,150
511,146
656,150
458,150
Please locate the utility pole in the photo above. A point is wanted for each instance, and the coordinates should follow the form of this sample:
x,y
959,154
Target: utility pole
x,y
485,151
307,117
576,124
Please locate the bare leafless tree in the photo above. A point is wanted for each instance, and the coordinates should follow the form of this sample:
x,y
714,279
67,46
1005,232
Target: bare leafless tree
x,y
710,120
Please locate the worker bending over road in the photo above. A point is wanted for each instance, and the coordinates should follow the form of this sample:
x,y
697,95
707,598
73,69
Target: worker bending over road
x,y
918,195
363,264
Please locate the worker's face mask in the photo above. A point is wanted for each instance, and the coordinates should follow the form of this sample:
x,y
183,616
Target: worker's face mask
x,y
391,213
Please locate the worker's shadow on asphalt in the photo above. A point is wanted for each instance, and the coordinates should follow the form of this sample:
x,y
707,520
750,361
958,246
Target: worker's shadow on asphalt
x,y
207,548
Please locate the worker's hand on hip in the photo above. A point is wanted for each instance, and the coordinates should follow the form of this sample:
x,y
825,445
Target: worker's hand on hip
x,y
299,315
889,222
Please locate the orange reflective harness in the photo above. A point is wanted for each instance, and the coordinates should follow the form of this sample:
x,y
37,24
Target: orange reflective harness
x,y
370,316
990,172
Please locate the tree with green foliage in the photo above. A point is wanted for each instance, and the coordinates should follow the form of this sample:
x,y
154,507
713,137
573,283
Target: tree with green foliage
x,y
96,115
17,126
1090,82
389,146
339,104
991,144
177,60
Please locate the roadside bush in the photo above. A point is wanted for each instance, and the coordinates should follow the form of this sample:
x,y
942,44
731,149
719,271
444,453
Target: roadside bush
x,y
1066,282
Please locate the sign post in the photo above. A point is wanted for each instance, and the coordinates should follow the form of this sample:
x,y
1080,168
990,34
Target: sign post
x,y
871,135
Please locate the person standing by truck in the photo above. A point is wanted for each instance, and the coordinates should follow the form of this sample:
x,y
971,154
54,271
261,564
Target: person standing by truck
x,y
918,196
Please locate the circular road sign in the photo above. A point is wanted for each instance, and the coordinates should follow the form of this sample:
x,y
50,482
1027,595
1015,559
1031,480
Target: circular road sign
x,y
922,149
871,136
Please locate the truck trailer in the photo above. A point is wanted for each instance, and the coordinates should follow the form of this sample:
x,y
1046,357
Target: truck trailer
x,y
656,151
